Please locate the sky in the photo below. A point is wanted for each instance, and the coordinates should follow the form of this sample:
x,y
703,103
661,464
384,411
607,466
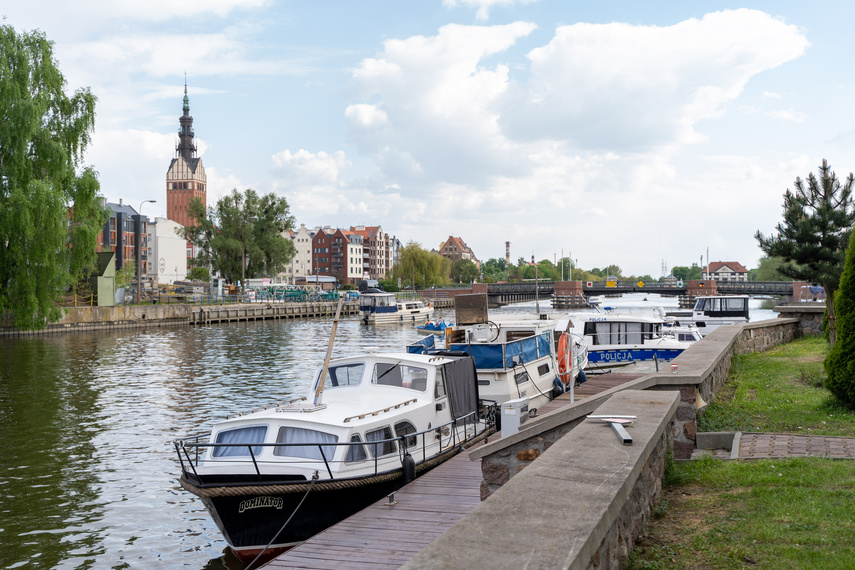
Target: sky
x,y
646,135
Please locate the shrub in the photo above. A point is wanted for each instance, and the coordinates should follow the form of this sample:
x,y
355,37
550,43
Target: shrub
x,y
840,362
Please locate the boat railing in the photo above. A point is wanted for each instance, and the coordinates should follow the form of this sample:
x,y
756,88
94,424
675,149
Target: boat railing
x,y
421,446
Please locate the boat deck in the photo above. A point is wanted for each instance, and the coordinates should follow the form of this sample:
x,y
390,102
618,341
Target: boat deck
x,y
383,536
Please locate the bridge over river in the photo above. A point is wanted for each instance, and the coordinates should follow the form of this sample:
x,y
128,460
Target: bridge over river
x,y
502,293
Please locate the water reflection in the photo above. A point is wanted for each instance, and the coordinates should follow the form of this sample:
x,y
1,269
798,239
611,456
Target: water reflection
x,y
88,477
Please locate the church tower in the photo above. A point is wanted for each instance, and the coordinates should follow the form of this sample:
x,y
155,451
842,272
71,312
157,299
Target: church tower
x,y
185,178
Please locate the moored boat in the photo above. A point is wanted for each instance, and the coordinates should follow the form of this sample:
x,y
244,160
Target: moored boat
x,y
378,307
713,311
616,338
274,477
517,356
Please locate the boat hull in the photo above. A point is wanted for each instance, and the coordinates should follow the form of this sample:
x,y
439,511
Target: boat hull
x,y
250,521
631,355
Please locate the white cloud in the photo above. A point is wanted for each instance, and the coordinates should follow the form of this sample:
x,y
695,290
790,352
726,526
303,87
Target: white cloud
x,y
304,168
483,7
788,115
366,117
637,87
771,95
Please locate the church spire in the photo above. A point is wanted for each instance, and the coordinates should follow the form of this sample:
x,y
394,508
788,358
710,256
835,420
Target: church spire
x,y
186,148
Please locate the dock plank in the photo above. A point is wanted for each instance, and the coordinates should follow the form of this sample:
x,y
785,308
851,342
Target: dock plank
x,y
381,536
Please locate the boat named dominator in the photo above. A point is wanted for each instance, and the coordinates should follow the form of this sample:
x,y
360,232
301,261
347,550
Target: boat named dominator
x,y
377,307
274,477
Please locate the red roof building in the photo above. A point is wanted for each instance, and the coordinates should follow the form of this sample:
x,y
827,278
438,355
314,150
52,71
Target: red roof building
x,y
725,271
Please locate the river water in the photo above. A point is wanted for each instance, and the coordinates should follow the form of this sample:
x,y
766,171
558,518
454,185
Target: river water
x,y
87,468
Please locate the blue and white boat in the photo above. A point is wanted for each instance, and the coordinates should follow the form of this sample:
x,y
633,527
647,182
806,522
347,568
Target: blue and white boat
x,y
431,327
377,307
516,356
621,339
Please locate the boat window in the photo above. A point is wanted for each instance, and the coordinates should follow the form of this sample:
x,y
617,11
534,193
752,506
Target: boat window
x,y
355,453
439,390
516,335
735,304
381,449
245,435
412,377
522,377
403,428
621,333
543,369
344,375
292,436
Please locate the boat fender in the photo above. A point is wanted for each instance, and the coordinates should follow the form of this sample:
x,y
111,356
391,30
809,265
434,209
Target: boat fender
x,y
409,467
581,378
557,388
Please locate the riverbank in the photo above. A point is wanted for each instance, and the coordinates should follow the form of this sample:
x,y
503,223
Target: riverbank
x,y
782,512
86,319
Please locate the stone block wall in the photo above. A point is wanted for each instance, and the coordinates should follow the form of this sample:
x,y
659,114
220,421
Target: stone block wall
x,y
620,539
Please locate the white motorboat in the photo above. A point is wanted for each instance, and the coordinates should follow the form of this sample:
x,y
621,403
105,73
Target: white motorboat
x,y
378,421
378,307
713,311
615,338
517,356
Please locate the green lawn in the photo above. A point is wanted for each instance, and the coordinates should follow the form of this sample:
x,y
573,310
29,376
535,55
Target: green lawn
x,y
779,391
776,514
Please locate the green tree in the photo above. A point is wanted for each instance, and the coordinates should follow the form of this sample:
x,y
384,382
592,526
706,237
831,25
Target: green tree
x,y
418,267
49,214
199,274
242,236
813,236
693,273
768,270
840,362
464,271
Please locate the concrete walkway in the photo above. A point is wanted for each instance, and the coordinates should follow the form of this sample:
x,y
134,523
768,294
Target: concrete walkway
x,y
762,445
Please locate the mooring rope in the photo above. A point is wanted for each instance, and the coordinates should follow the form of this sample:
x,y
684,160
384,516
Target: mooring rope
x,y
300,504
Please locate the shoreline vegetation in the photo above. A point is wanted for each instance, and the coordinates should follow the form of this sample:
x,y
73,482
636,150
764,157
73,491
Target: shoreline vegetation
x,y
770,513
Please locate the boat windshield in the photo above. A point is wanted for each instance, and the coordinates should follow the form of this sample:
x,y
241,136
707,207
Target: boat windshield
x,y
343,375
406,376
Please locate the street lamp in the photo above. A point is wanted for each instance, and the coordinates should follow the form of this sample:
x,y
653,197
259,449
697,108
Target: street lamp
x,y
139,251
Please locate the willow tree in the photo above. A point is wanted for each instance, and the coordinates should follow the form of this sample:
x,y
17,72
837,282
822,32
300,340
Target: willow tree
x,y
50,211
419,267
814,234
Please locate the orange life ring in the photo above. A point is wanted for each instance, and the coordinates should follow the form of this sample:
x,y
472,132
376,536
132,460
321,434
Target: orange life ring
x,y
565,362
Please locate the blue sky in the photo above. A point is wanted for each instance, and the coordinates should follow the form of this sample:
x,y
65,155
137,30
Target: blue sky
x,y
627,133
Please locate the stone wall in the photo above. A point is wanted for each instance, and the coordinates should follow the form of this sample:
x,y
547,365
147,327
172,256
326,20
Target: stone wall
x,y
582,504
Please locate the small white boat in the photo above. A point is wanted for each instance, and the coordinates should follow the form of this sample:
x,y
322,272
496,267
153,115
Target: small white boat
x,y
713,311
617,338
384,419
517,356
377,307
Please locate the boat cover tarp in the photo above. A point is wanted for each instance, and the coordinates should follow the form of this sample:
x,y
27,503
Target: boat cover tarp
x,y
422,346
461,382
501,355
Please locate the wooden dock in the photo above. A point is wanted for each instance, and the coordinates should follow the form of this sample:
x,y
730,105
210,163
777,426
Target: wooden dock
x,y
382,536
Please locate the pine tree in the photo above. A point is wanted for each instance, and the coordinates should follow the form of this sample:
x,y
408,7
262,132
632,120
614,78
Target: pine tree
x,y
840,362
49,215
813,236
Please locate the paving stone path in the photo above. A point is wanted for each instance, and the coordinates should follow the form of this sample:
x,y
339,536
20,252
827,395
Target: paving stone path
x,y
761,445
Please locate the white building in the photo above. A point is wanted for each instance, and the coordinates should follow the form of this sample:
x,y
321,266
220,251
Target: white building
x,y
301,263
169,251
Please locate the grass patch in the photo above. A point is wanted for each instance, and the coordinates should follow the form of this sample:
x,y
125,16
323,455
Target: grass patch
x,y
782,514
780,390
